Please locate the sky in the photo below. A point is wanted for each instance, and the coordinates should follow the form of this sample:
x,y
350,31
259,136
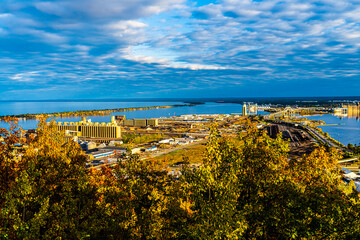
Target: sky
x,y
98,49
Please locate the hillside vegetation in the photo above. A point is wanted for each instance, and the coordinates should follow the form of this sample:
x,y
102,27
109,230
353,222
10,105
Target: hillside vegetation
x,y
246,188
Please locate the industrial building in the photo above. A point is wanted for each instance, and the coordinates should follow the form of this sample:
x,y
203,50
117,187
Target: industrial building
x,y
352,110
244,110
128,122
249,109
85,128
152,122
136,122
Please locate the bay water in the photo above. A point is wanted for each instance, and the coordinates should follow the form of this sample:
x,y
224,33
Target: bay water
x,y
347,131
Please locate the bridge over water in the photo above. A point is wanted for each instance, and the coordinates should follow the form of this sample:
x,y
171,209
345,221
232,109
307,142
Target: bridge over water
x,y
291,112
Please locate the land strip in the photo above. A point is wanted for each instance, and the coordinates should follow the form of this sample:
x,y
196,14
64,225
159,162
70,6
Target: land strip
x,y
84,113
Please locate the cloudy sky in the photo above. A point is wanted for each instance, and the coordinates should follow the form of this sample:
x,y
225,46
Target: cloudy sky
x,y
176,48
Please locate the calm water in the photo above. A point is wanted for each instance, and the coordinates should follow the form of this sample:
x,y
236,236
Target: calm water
x,y
48,107
15,108
347,133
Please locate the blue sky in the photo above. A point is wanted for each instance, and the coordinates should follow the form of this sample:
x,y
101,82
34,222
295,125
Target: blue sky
x,y
159,48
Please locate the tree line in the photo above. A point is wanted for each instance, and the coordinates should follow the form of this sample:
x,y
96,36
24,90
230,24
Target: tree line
x,y
82,113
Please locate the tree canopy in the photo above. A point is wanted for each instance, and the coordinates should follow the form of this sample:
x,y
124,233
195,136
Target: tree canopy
x,y
247,188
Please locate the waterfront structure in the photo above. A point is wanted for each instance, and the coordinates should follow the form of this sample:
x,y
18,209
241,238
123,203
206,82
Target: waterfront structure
x,y
341,111
140,122
250,109
244,110
119,119
348,110
152,122
85,128
128,122
353,110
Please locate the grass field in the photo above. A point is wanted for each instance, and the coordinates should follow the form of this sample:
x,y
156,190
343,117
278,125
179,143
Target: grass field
x,y
192,155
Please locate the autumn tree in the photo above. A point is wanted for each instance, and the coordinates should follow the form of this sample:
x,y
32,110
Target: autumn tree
x,y
9,162
246,188
10,139
249,188
49,197
213,192
138,201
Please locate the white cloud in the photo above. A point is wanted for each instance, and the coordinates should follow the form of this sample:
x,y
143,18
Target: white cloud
x,y
354,14
194,66
126,25
146,59
13,21
55,8
166,62
44,36
352,35
94,39
5,15
128,31
24,77
121,9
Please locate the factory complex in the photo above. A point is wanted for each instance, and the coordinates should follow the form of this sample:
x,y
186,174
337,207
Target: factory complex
x,y
102,131
86,128
349,110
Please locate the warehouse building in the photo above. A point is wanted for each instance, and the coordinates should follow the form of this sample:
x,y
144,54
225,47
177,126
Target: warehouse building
x,y
85,128
136,122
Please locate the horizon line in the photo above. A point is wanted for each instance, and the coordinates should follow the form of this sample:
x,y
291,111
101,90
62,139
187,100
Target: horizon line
x,y
168,99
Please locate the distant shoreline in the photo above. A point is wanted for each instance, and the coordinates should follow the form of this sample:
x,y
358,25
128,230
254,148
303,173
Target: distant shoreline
x,y
275,99
84,113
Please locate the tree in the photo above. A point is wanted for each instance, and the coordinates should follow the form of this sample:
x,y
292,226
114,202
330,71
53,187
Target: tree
x,y
350,147
49,196
138,199
248,188
9,154
214,189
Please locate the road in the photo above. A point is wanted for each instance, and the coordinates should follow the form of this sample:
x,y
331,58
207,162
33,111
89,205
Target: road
x,y
348,160
321,137
324,139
